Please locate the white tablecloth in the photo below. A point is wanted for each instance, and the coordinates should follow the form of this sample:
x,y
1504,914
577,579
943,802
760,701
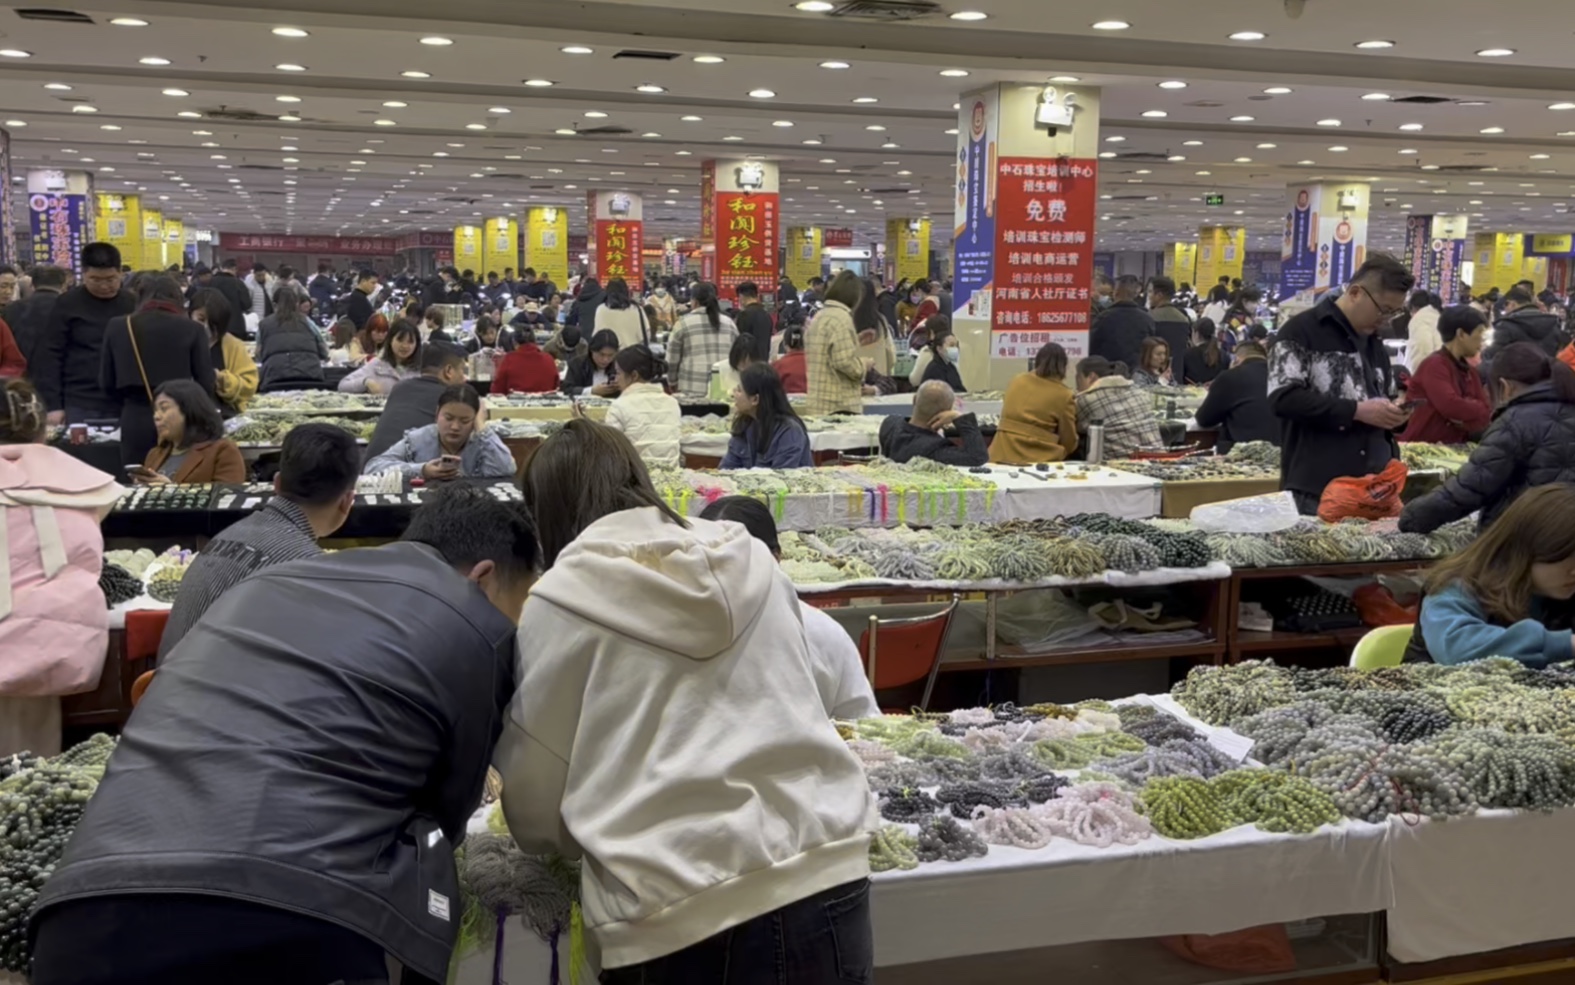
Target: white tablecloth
x,y
902,403
1131,497
865,440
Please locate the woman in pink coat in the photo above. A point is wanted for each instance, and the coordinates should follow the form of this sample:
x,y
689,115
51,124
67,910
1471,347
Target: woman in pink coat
x,y
53,621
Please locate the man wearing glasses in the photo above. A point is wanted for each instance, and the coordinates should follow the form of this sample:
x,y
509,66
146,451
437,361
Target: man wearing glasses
x,y
1331,385
67,375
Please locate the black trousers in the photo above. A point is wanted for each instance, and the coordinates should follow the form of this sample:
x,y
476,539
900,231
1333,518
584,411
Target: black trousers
x,y
180,939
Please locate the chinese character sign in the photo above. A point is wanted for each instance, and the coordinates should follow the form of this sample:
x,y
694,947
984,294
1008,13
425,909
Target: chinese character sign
x,y
1044,255
707,201
746,241
119,222
974,233
59,225
618,246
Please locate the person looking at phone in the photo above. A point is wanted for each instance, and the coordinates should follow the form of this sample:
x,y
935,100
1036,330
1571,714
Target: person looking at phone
x,y
1450,405
1331,385
449,448
192,447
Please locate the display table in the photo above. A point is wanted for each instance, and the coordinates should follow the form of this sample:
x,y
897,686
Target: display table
x,y
1179,499
499,409
902,403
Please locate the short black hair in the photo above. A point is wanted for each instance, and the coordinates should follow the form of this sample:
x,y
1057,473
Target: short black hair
x,y
468,525
203,422
259,268
743,349
461,394
754,515
49,275
749,288
100,256
1461,318
229,264
365,274
1518,296
1389,273
1418,300
1097,366
529,270
318,464
1163,286
6,268
440,355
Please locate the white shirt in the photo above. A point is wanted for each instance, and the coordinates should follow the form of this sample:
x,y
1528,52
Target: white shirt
x,y
1424,337
651,420
839,671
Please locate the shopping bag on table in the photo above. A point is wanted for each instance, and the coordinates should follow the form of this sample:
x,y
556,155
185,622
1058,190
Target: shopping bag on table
x,y
1366,497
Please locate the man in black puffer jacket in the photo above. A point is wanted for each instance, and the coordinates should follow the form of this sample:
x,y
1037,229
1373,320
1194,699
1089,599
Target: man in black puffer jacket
x,y
1118,332
1525,322
1531,442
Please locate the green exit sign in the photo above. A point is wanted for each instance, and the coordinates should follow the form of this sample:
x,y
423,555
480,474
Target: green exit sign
x,y
1214,200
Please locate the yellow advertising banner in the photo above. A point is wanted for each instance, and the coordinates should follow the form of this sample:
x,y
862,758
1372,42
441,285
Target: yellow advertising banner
x,y
1500,261
500,246
152,240
118,222
1180,263
1535,269
547,242
908,248
467,249
1222,250
803,254
1552,243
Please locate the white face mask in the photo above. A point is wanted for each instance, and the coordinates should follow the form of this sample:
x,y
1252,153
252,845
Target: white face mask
x,y
953,354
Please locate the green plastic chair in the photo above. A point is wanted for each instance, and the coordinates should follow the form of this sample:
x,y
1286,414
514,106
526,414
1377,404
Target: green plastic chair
x,y
1382,647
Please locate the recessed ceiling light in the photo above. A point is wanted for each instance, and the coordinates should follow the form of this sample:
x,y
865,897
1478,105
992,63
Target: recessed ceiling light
x,y
499,110
1173,84
475,126
1053,78
1267,146
1248,36
1110,25
969,15
287,99
1561,106
811,142
16,123
683,153
1116,139
1540,157
109,126
395,104
653,133
289,67
437,42
1491,130
289,32
576,49
1242,119
1278,91
128,22
190,114
1339,149
690,119
709,59
864,100
384,123
1374,45
150,60
412,73
876,127
1203,174
84,108
539,83
57,86
1495,52
1329,123
835,65
1175,157
15,53
762,94
732,138
782,123
1306,164
289,118
955,73
1192,143
1429,167
1472,102
565,132
1410,126
595,114
1409,150
814,6
1155,114
649,87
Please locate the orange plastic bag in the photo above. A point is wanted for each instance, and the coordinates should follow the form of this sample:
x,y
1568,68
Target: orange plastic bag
x,y
1567,355
1379,607
1255,951
1368,497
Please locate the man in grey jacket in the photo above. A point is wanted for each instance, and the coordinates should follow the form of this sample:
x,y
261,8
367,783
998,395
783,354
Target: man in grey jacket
x,y
284,805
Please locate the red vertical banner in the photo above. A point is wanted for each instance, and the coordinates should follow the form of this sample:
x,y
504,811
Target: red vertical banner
x,y
1044,255
618,245
707,201
746,240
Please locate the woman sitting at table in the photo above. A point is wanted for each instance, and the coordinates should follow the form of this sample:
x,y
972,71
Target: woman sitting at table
x,y
488,335
944,353
1039,414
645,412
192,447
1496,597
53,623
766,432
1238,401
234,371
1153,363
1205,361
369,341
451,447
593,374
725,372
400,360
289,350
525,370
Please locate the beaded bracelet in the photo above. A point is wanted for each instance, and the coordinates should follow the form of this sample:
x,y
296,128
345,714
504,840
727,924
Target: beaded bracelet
x,y
943,838
893,848
962,798
1011,826
1096,814
907,806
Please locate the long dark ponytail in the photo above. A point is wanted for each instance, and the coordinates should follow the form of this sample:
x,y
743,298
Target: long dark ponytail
x,y
1204,329
704,296
639,360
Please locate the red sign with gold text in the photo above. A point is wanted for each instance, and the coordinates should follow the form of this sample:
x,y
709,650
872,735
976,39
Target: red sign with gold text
x,y
746,240
1044,255
707,201
837,237
618,246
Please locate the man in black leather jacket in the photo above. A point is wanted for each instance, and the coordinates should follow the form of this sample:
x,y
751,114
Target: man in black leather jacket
x,y
285,803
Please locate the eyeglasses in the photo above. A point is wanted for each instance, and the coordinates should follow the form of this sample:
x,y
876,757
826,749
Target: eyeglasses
x,y
1384,314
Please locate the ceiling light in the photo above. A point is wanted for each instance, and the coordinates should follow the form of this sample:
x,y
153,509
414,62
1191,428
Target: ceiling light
x,y
782,123
1491,130
709,59
190,114
1306,164
1278,91
954,73
289,118
1248,36
811,142
1110,25
876,127
475,126
865,99
167,92
16,123
499,110
684,153
814,6
1267,146
595,114
651,134
1409,150
84,108
649,87
1155,114
1173,84
539,83
288,67
1242,119
150,60
287,99
1562,106
1175,157
128,22
416,74
1203,174
1329,123
969,15
1540,157
1243,160
1429,167
565,132
1410,126
109,126
1339,149
384,123
889,145
395,104
1495,52
1374,45
1472,102
57,86
576,49
1117,139
835,65
296,160
289,32
437,42
1192,143
732,139
17,53
762,94
690,119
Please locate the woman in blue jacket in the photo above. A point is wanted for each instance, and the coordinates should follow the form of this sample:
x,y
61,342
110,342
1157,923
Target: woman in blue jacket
x,y
766,432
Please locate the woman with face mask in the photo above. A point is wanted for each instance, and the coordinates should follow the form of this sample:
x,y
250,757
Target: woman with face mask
x,y
944,356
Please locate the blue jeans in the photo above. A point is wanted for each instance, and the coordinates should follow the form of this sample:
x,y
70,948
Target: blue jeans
x,y
820,940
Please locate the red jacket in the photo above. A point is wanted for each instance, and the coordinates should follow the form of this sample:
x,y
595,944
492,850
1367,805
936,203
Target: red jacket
x,y
12,362
1456,407
929,306
526,370
791,367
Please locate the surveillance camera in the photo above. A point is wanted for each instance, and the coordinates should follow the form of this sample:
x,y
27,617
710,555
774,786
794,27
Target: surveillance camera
x,y
1295,8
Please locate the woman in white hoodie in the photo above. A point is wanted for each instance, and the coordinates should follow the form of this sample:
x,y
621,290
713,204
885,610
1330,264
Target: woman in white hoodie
x,y
667,727
644,410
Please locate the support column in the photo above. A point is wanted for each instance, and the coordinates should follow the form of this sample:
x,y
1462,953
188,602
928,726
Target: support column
x,y
1325,238
804,249
1500,261
117,220
1024,238
60,215
908,249
1179,262
174,242
547,242
617,238
7,227
745,222
467,250
152,241
1435,247
1222,252
500,247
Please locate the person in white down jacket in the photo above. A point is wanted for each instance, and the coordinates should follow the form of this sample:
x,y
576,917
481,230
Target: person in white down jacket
x,y
644,411
667,728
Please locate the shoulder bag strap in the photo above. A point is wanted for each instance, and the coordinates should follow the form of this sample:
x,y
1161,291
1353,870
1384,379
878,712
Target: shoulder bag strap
x,y
137,351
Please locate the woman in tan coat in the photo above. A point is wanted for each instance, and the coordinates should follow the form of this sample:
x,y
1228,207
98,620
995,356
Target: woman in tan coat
x,y
1038,416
